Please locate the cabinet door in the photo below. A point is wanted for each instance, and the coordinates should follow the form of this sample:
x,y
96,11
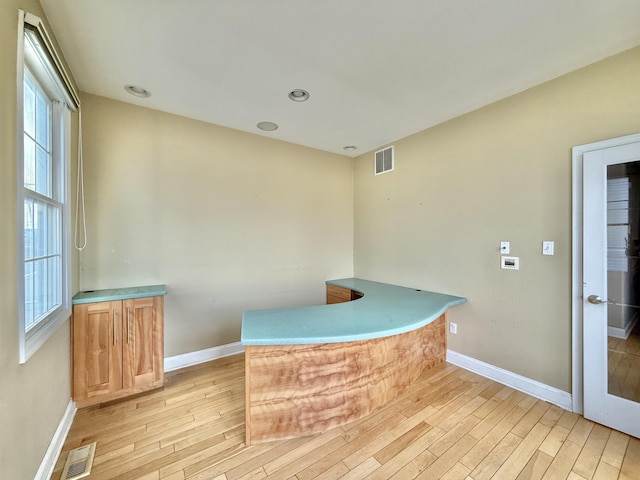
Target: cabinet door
x,y
337,294
143,341
97,349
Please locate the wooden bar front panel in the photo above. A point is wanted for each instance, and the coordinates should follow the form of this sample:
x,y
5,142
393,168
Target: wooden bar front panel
x,y
298,390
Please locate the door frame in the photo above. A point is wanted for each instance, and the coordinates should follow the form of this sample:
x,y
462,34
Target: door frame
x,y
577,384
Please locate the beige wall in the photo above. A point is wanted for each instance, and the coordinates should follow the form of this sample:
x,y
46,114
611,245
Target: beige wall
x,y
229,221
501,173
33,396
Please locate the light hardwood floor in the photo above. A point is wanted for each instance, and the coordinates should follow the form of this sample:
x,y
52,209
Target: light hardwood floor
x,y
452,424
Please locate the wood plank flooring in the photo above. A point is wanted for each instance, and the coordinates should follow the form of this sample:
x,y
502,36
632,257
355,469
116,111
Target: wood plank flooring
x,y
452,424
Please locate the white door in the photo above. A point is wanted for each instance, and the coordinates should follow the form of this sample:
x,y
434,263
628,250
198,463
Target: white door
x,y
611,287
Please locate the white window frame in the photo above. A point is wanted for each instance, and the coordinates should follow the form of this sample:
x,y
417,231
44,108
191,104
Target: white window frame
x,y
53,79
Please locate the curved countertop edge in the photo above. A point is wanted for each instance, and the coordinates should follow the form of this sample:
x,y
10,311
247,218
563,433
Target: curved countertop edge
x,y
383,311
113,294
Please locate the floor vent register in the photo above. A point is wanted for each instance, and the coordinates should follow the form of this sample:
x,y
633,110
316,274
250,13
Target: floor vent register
x,y
79,462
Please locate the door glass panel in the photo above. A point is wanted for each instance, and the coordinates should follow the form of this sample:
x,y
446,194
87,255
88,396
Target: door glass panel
x,y
623,280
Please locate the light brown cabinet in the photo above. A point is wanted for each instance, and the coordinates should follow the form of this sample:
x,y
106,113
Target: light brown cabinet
x,y
118,349
337,294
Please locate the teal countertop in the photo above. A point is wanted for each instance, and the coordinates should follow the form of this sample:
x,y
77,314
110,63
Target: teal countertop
x,y
384,310
107,295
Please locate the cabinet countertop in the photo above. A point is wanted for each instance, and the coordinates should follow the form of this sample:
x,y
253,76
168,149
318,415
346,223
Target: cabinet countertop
x,y
384,310
111,294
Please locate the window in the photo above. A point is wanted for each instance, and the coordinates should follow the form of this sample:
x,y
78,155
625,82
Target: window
x,y
43,207
44,102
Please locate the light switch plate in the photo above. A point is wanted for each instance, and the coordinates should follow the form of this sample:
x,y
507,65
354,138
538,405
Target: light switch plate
x,y
547,247
504,248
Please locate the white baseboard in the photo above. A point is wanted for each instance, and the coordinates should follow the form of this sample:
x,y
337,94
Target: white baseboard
x,y
201,356
532,387
57,442
616,332
622,333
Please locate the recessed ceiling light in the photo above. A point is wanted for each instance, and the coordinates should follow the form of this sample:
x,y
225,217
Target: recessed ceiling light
x,y
299,95
349,148
137,91
267,126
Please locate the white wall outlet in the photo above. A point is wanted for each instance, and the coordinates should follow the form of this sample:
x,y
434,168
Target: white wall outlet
x,y
547,247
504,248
453,328
510,263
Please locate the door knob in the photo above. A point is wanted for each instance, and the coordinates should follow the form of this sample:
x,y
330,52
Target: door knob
x,y
595,299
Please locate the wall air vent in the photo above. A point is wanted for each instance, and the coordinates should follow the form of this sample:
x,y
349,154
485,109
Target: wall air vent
x,y
383,160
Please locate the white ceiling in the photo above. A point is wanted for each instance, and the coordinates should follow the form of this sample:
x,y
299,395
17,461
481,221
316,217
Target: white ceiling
x,y
377,70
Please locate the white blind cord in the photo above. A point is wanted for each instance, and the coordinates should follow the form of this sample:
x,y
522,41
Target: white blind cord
x,y
80,191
